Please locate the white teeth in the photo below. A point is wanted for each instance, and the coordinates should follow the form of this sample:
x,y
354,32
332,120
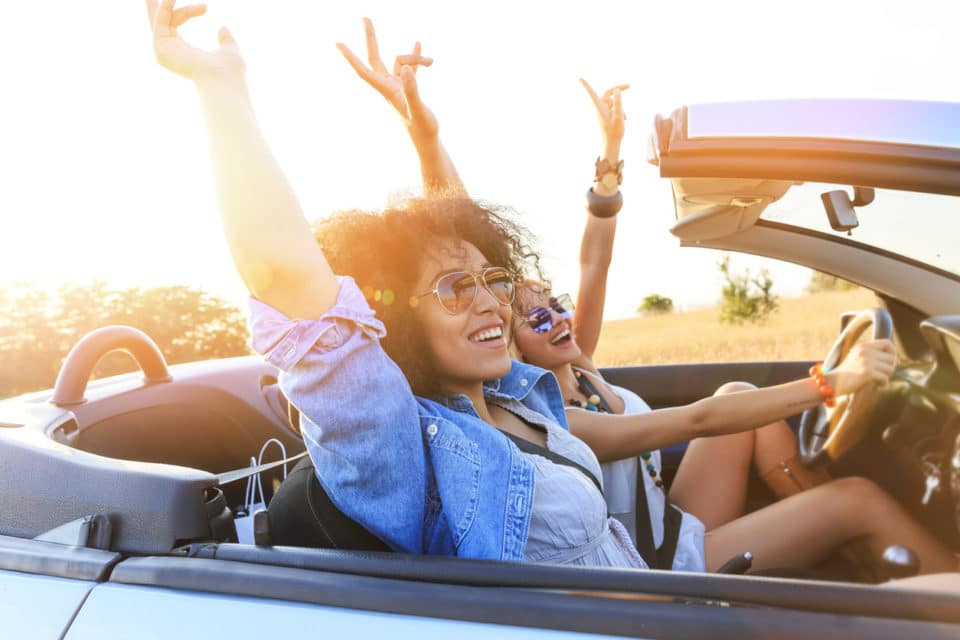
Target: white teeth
x,y
487,334
563,334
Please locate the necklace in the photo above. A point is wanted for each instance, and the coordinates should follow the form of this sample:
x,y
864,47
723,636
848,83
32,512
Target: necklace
x,y
595,402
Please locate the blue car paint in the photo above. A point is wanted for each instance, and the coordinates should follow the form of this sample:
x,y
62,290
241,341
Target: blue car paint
x,y
127,611
38,606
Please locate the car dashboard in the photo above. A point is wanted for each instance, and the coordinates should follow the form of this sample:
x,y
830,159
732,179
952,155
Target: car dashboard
x,y
922,427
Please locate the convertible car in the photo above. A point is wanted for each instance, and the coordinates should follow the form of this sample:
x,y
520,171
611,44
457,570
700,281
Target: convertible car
x,y
118,498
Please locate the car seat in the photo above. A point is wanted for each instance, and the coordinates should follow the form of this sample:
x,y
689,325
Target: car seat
x,y
301,514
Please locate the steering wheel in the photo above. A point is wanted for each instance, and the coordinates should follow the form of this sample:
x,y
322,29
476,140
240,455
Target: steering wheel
x,y
831,432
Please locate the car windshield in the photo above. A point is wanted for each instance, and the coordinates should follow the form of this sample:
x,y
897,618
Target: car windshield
x,y
920,226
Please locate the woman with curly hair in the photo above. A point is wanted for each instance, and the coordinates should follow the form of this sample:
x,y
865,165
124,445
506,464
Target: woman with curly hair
x,y
426,441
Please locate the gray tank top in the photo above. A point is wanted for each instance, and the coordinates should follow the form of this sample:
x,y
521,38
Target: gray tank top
x,y
569,524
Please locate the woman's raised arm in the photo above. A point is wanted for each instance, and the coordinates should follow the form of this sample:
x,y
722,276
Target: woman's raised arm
x,y
596,247
271,242
400,89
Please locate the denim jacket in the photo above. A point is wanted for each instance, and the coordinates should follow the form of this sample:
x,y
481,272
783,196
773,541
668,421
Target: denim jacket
x,y
423,475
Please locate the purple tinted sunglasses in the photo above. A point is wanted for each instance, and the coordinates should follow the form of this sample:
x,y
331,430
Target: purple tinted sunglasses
x,y
541,320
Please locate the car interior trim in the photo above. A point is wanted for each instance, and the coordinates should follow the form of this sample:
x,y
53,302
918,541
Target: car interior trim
x,y
62,561
670,385
878,251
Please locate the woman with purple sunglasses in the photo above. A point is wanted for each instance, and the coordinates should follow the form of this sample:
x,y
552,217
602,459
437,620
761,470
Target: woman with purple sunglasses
x,y
705,495
549,335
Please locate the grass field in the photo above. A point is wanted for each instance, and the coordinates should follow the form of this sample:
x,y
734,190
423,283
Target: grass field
x,y
801,329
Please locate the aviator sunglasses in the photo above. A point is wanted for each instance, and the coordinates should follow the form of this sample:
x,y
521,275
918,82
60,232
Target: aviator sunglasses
x,y
541,320
456,291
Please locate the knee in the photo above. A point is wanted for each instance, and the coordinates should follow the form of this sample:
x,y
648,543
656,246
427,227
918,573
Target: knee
x,y
734,387
861,494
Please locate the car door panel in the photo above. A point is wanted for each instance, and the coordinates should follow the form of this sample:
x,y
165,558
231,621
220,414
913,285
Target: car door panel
x,y
38,606
127,611
671,385
44,583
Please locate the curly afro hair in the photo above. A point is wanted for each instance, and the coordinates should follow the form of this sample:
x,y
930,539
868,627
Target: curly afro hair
x,y
383,252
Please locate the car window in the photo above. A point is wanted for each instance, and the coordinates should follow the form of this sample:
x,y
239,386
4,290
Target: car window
x,y
803,325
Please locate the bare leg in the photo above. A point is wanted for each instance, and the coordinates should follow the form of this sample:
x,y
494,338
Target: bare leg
x,y
802,530
711,482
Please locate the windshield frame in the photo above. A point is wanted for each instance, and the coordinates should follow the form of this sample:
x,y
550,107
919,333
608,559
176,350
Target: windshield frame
x,y
874,162
856,244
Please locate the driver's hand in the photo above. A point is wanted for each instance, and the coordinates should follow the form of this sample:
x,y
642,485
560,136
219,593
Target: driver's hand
x,y
867,362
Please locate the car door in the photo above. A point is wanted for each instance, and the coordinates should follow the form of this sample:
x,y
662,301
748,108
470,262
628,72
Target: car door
x,y
44,585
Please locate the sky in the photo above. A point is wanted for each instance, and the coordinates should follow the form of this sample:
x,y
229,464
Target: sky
x,y
104,170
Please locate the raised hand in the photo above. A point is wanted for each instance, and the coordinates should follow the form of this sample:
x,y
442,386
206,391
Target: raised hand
x,y
174,53
609,108
398,87
596,246
867,362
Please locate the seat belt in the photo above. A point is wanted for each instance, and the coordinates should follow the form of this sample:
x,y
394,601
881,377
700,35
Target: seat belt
x,y
529,447
644,533
661,558
239,474
672,517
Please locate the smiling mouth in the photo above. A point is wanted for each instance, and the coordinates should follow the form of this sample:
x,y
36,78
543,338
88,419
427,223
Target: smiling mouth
x,y
487,335
562,338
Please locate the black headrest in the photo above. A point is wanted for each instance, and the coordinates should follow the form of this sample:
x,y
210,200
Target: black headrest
x,y
301,514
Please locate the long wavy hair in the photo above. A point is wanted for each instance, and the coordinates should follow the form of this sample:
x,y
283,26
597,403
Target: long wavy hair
x,y
384,250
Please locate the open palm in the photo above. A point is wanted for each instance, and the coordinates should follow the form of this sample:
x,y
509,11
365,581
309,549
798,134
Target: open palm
x,y
174,53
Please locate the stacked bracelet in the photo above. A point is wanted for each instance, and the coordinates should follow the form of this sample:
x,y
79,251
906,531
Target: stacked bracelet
x,y
603,206
607,174
825,390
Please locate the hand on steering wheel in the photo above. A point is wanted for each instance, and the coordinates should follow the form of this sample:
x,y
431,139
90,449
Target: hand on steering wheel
x,y
399,88
867,362
855,371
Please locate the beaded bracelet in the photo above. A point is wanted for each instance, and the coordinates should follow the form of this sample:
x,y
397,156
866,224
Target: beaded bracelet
x,y
825,390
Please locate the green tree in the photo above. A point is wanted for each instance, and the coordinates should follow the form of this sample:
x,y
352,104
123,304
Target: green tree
x,y
820,282
746,297
38,328
655,304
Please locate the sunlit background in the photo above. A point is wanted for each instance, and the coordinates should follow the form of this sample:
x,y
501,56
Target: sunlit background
x,y
103,154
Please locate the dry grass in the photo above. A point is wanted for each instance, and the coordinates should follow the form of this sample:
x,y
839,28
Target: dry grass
x,y
802,329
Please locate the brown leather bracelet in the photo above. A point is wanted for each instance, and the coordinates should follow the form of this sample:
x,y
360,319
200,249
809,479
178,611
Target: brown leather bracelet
x,y
603,206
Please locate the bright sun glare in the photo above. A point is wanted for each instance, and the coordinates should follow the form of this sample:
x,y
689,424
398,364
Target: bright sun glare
x,y
105,161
